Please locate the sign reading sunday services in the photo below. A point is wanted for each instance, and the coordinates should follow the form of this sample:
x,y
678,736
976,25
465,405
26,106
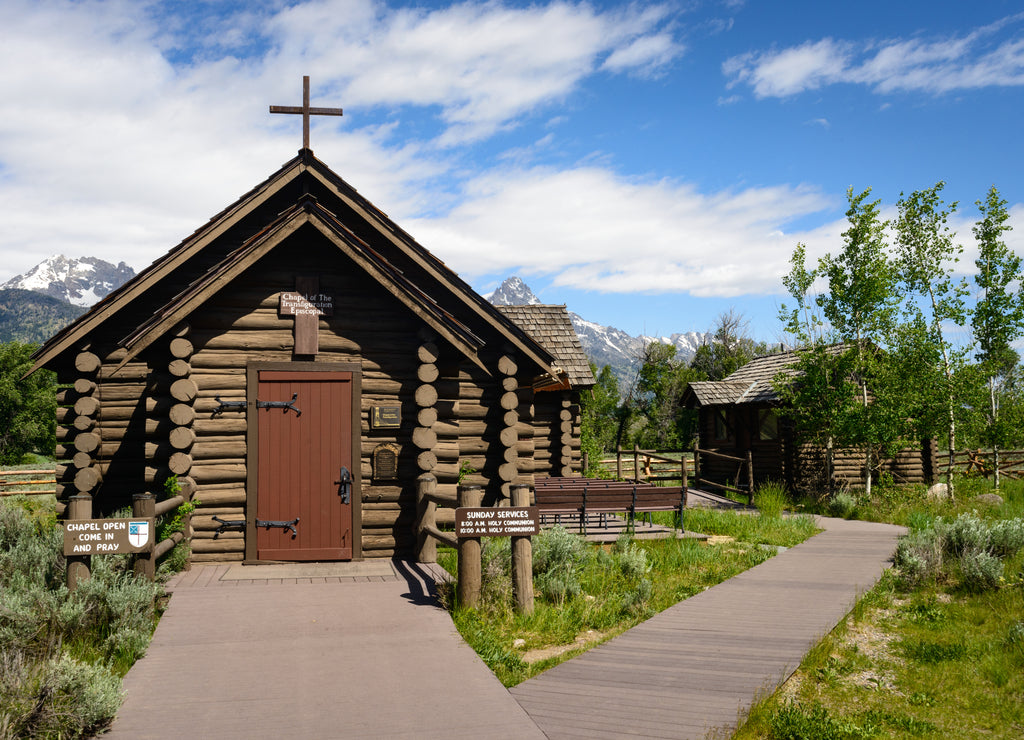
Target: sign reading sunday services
x,y
516,521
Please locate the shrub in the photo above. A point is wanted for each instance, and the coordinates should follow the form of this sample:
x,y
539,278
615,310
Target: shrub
x,y
1006,537
633,563
918,557
59,697
980,571
842,504
771,498
964,534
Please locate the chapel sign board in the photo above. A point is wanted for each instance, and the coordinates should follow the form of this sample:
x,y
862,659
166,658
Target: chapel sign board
x,y
108,536
307,304
514,521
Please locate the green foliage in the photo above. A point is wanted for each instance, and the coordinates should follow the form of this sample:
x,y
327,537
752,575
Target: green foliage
x,y
62,654
600,416
662,422
728,349
771,498
28,406
842,504
28,316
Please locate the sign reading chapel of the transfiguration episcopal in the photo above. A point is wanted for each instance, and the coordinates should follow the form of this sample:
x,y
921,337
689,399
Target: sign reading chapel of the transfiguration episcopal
x,y
307,304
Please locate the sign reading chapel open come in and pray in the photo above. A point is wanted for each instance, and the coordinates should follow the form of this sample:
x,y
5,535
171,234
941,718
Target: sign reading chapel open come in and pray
x,y
107,536
516,521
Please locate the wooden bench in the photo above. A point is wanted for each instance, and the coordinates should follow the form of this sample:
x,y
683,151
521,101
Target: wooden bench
x,y
583,497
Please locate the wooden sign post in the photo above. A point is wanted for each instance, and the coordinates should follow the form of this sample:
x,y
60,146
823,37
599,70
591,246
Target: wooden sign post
x,y
307,304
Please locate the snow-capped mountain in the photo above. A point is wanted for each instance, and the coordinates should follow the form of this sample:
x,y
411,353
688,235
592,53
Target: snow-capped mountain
x,y
81,282
513,292
604,345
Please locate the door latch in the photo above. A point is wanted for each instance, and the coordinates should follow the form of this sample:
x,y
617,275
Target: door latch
x,y
344,485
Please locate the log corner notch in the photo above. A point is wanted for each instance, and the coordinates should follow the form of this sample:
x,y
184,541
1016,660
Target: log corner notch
x,y
424,438
85,435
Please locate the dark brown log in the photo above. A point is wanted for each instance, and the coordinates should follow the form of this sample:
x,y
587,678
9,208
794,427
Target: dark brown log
x,y
180,463
219,426
87,442
470,571
85,386
184,389
179,368
218,450
427,352
427,373
219,545
221,473
507,365
423,438
181,348
86,479
522,558
182,438
87,362
222,495
426,396
181,414
84,423
426,461
87,406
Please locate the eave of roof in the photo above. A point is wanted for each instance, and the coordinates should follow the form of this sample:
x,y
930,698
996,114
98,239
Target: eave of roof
x,y
307,212
304,162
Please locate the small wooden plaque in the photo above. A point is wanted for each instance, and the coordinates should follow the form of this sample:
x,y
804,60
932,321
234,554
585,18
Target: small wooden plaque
x,y
386,417
385,461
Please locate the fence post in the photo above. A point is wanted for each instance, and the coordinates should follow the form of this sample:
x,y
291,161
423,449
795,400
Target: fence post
x,y
522,558
426,516
618,462
686,491
79,507
636,462
469,552
750,477
144,507
696,467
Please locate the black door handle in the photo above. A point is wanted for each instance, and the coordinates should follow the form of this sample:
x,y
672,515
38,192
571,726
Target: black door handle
x,y
345,485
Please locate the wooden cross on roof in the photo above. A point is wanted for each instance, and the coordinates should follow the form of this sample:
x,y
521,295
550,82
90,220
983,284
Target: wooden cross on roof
x,y
305,111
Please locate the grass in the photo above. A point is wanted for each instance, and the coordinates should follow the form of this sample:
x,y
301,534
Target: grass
x,y
587,594
939,654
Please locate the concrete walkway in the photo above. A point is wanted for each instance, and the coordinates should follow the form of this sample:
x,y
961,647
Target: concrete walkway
x,y
696,668
360,650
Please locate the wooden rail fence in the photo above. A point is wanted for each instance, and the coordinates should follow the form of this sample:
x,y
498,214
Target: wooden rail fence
x,y
985,462
13,483
659,466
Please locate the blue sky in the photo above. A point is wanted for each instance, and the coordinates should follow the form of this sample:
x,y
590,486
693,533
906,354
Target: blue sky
x,y
649,164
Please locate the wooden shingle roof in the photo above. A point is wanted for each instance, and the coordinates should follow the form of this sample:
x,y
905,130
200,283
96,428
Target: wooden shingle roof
x,y
752,383
552,329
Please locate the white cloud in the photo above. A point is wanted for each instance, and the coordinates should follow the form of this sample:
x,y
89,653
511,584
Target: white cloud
x,y
938,65
592,230
482,65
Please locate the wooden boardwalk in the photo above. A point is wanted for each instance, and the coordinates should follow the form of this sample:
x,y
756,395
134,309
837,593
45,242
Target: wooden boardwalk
x,y
341,650
695,669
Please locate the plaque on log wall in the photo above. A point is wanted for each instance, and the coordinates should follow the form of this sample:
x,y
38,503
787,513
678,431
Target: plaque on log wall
x,y
385,462
386,417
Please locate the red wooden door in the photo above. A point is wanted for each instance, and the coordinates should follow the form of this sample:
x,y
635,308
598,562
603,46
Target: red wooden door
x,y
299,466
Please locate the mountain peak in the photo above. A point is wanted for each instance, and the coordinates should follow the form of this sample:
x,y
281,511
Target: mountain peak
x,y
80,281
513,292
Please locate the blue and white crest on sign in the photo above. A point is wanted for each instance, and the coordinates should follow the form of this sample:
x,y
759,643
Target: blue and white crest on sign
x,y
138,533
